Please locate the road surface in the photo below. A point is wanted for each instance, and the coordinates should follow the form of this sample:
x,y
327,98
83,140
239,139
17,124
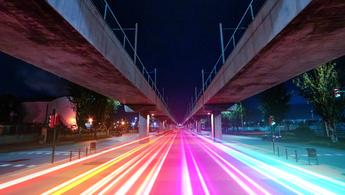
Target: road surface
x,y
26,159
177,162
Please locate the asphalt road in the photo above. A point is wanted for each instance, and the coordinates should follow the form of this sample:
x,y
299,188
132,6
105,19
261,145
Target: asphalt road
x,y
177,162
26,159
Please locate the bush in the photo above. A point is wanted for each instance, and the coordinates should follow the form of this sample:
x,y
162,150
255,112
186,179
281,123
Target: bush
x,y
304,132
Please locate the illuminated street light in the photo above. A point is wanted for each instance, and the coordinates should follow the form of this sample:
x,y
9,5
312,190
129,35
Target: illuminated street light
x,y
337,92
90,120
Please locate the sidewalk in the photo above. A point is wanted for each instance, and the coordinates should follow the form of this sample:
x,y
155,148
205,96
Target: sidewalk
x,y
36,145
33,157
331,161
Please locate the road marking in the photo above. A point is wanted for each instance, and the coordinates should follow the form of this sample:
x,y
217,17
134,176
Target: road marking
x,y
5,165
66,186
19,165
59,167
30,166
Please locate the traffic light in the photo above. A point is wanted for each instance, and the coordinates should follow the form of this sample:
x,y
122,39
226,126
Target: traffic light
x,y
337,92
51,123
271,121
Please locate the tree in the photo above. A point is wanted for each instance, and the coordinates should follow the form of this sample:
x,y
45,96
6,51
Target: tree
x,y
91,104
275,102
11,110
235,114
317,87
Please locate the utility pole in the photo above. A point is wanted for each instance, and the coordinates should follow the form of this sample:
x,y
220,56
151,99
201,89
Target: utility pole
x,y
221,41
155,76
135,29
54,135
203,80
241,115
135,43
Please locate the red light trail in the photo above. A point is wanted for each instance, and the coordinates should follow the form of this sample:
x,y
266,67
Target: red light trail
x,y
177,162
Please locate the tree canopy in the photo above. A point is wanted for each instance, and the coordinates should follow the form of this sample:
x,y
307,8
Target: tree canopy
x,y
91,104
317,86
275,102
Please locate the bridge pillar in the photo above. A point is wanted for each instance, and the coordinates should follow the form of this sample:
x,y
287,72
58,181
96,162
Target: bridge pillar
x,y
218,128
163,125
212,127
144,126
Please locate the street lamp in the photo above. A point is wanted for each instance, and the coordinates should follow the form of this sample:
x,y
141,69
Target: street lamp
x,y
90,120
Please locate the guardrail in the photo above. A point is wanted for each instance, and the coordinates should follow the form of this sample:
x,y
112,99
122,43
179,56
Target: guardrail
x,y
246,19
109,17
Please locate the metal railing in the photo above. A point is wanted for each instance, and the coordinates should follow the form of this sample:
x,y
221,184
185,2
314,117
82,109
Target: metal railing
x,y
246,19
109,17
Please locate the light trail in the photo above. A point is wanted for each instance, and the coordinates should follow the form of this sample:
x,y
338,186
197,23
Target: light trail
x,y
200,176
91,173
214,155
278,174
124,188
311,175
58,167
122,168
243,185
186,183
151,180
183,164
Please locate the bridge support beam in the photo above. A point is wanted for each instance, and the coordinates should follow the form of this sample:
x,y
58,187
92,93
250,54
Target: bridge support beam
x,y
163,125
144,126
212,127
216,127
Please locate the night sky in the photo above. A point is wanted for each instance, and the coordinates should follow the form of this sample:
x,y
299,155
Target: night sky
x,y
179,38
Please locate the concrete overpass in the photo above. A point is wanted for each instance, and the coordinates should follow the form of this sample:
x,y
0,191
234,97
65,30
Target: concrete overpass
x,y
286,38
71,39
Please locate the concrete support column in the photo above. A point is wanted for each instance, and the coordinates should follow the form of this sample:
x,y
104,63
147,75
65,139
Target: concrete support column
x,y
218,128
148,123
212,127
144,126
163,125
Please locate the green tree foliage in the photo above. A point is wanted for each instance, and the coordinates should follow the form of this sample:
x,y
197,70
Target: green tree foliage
x,y
11,110
91,104
235,114
317,87
275,101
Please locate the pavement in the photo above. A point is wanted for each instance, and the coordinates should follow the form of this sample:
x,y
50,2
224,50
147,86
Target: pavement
x,y
12,161
174,162
331,161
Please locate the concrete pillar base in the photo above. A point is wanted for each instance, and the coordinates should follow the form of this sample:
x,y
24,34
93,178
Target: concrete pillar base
x,y
218,128
143,125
